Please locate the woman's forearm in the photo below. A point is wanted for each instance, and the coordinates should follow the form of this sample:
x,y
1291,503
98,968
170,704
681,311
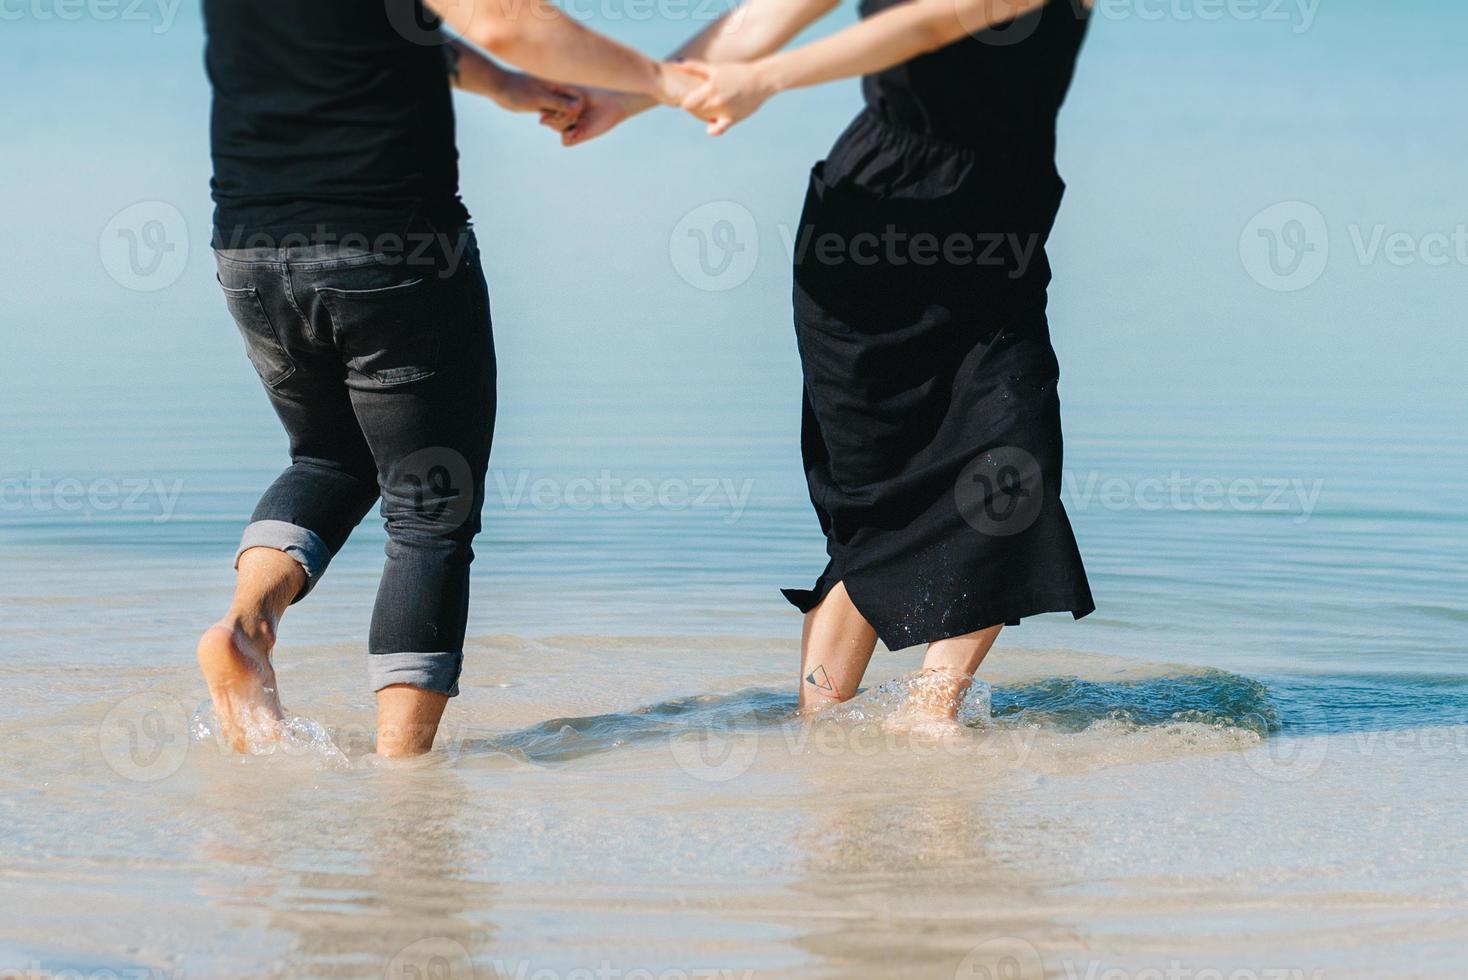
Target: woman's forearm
x,y
890,38
753,30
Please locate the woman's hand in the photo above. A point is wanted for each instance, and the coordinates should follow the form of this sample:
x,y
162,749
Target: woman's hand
x,y
677,80
729,94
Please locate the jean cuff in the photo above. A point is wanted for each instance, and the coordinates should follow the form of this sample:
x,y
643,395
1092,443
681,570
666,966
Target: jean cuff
x,y
434,672
302,544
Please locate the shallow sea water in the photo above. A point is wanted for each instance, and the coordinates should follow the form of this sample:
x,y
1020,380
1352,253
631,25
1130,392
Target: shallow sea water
x,y
1249,761
1107,814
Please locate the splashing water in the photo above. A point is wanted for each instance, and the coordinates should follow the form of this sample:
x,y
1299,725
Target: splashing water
x,y
928,693
293,737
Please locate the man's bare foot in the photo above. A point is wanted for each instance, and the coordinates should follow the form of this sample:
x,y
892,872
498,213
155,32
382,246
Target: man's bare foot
x,y
236,664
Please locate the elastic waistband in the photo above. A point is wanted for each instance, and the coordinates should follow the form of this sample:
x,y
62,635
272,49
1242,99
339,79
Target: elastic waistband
x,y
871,120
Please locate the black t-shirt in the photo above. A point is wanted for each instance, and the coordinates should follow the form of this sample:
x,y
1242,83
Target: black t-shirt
x,y
332,118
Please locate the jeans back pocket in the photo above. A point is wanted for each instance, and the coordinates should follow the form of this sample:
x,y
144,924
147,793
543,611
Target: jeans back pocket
x,y
262,344
388,334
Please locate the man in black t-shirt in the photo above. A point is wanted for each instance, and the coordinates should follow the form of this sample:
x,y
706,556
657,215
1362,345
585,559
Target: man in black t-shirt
x,y
347,260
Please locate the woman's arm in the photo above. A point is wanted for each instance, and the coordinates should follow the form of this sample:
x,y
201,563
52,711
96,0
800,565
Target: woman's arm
x,y
898,34
752,30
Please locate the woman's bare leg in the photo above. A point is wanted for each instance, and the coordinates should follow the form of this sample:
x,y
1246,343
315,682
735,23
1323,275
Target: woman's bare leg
x,y
834,652
948,673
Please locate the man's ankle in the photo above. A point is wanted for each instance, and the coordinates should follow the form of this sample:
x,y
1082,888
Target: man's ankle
x,y
261,630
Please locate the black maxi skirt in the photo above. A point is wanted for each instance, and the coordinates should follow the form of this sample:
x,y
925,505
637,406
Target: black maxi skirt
x,y
931,429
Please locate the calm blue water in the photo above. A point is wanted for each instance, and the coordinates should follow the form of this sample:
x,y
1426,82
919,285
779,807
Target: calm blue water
x,y
1268,482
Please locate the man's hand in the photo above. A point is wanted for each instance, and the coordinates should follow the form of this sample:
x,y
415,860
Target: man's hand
x,y
729,93
602,112
557,104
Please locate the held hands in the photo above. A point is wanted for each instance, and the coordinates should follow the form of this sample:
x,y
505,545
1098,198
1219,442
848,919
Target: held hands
x,y
602,111
719,95
726,93
559,105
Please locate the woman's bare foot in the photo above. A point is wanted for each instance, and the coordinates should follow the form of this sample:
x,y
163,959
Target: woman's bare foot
x,y
235,658
934,697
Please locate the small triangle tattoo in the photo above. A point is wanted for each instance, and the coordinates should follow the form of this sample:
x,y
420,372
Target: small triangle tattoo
x,y
820,679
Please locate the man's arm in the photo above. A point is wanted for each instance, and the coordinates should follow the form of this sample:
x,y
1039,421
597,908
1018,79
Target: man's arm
x,y
513,91
537,36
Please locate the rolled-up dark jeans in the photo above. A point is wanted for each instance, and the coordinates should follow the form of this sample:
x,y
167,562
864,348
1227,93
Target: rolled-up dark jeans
x,y
381,367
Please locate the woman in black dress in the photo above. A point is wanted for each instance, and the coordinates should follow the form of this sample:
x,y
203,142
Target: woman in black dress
x,y
932,436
